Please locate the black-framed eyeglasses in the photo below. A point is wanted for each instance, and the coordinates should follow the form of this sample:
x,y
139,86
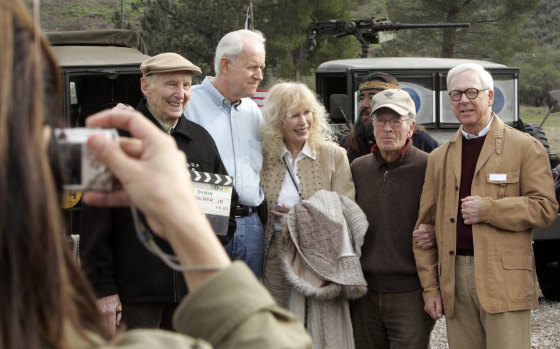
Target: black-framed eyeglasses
x,y
395,123
471,93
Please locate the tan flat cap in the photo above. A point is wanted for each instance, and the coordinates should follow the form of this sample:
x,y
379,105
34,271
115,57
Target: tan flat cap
x,y
168,62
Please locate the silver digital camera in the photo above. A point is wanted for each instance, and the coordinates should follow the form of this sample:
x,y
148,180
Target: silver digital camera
x,y
82,170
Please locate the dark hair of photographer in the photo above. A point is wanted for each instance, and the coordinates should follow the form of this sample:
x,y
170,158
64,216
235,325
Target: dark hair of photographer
x,y
42,289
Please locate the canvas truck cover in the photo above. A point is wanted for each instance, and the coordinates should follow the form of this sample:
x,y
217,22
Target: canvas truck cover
x,y
83,48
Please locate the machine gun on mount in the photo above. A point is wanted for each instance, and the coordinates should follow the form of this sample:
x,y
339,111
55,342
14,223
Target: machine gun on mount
x,y
365,30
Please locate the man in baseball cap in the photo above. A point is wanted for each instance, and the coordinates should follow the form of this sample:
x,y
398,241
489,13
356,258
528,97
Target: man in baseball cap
x,y
388,185
360,140
393,116
128,280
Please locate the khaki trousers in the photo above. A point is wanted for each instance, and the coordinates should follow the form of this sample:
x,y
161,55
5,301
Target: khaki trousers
x,y
471,327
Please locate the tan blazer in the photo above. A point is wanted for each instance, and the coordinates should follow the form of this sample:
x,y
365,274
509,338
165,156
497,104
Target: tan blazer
x,y
330,171
513,177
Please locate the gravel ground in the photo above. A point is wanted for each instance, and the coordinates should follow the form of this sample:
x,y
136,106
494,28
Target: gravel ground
x,y
545,326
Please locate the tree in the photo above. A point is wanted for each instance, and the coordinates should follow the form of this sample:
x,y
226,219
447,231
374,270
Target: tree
x,y
494,32
539,73
57,15
286,24
543,25
193,29
540,68
189,27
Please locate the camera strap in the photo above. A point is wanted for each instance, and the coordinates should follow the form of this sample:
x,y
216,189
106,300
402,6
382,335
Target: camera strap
x,y
146,237
289,169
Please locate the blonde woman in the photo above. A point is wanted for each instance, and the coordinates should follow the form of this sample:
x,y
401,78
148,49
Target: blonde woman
x,y
299,159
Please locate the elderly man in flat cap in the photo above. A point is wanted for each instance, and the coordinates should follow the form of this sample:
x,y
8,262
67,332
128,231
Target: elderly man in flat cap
x,y
388,185
128,280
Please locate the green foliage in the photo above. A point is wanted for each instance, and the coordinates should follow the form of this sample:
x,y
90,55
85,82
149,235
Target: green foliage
x,y
500,30
543,25
493,34
193,29
540,68
540,73
369,8
77,15
287,45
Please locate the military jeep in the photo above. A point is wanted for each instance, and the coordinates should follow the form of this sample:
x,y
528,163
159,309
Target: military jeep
x,y
99,69
424,78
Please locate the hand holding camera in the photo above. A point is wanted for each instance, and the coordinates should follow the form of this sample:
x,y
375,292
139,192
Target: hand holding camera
x,y
83,170
152,173
150,168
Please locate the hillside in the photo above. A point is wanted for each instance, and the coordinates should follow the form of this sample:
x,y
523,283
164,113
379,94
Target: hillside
x,y
58,15
543,25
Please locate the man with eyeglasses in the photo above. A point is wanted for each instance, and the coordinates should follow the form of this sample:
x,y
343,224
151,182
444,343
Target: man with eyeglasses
x,y
388,185
485,190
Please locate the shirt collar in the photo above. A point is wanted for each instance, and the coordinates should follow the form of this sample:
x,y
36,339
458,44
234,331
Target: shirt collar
x,y
305,151
482,133
167,128
377,154
216,96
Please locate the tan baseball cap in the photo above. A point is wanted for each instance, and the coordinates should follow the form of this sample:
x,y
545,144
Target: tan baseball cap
x,y
168,62
397,100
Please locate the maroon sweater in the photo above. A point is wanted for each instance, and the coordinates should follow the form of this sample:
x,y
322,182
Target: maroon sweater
x,y
389,195
469,157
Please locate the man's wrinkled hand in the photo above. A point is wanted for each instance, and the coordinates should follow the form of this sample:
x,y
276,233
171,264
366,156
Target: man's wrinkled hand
x,y
425,236
434,307
111,309
470,209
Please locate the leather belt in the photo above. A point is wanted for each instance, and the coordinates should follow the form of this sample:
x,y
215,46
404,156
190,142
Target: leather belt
x,y
242,211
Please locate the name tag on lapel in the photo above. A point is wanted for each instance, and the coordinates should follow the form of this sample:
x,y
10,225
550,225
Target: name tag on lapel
x,y
497,177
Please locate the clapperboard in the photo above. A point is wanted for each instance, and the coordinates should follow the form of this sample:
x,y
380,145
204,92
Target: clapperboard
x,y
213,194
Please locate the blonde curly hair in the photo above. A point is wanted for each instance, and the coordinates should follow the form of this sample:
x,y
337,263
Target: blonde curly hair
x,y
282,99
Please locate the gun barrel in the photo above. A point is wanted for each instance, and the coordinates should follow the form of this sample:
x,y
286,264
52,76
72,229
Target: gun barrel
x,y
381,26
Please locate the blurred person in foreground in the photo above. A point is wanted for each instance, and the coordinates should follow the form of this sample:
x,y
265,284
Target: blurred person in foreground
x,y
46,300
485,190
388,187
300,164
360,140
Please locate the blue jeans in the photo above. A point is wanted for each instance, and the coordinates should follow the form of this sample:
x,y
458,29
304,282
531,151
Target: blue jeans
x,y
247,243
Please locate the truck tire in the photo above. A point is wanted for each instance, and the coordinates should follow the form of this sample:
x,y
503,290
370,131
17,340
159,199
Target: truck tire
x,y
547,262
537,132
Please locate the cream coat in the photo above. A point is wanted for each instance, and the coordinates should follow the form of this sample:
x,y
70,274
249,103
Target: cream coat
x,y
330,171
510,209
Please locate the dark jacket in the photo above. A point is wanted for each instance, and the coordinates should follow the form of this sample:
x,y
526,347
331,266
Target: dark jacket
x,y
114,259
